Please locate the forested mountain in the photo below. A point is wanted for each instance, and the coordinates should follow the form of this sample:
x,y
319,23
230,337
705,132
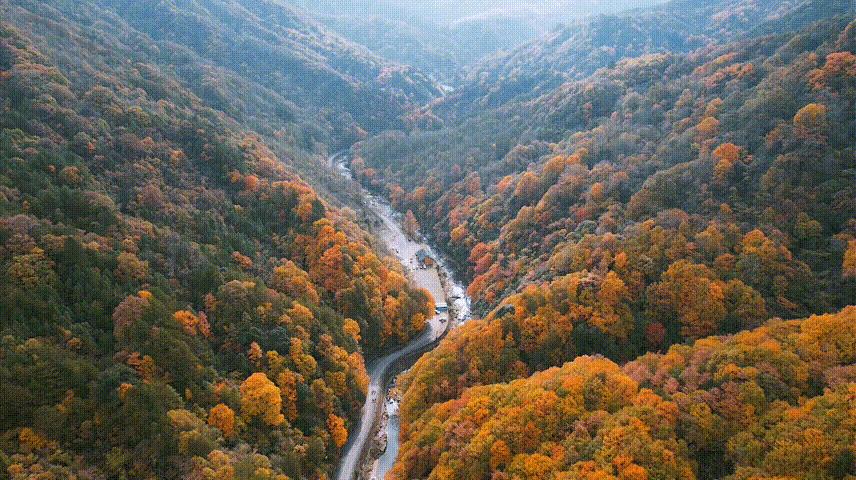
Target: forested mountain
x,y
575,51
175,302
258,61
654,211
630,202
771,403
446,38
653,137
444,51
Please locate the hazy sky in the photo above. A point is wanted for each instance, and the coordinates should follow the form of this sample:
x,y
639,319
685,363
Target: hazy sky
x,y
452,10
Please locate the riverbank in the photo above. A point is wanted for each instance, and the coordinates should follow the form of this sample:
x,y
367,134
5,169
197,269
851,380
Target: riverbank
x,y
437,280
383,450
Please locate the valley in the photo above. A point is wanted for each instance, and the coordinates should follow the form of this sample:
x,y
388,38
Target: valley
x,y
438,280
570,240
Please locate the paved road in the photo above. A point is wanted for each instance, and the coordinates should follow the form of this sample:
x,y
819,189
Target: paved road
x,y
393,235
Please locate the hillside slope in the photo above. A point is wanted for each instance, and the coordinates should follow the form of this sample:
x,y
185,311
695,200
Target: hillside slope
x,y
175,302
575,51
260,62
655,202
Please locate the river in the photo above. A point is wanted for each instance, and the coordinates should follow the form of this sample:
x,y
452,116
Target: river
x,y
440,281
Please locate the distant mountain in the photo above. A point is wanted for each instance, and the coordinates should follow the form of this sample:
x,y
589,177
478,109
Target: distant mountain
x,y
271,44
445,38
259,61
457,11
574,51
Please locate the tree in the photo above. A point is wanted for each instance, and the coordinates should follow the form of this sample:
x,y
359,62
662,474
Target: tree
x,y
32,269
839,65
188,321
707,128
261,398
810,123
254,353
304,362
596,192
527,188
726,155
691,295
251,183
500,455
411,225
129,311
459,233
655,335
287,382
129,267
848,265
242,260
352,328
223,418
336,427
744,305
290,279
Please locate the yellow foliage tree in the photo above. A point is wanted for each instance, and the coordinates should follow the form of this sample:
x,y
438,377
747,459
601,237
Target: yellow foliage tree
x,y
187,320
707,128
848,266
500,454
288,381
352,328
261,398
290,279
304,362
810,123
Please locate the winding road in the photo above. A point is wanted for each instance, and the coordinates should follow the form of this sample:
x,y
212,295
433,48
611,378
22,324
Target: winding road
x,y
391,232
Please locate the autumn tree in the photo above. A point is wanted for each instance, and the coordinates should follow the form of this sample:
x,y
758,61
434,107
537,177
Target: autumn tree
x,y
261,398
726,155
839,68
336,427
352,328
130,268
500,454
288,382
223,418
707,128
810,123
690,296
304,362
254,353
410,224
290,279
848,265
188,321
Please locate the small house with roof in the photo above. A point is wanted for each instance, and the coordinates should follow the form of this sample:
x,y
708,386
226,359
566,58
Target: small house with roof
x,y
424,258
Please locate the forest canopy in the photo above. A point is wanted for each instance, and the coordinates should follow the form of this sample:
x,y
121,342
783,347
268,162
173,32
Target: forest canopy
x,y
653,211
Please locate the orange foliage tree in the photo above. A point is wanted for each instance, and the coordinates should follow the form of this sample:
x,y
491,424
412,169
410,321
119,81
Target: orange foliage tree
x,y
223,418
336,427
260,398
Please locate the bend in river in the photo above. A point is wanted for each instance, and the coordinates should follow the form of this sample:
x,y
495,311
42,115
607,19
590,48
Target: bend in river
x,y
432,279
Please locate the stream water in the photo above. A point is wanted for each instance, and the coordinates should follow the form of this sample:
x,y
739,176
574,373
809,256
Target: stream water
x,y
440,281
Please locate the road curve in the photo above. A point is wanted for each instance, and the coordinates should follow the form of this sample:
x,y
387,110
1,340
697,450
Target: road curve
x,y
392,234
